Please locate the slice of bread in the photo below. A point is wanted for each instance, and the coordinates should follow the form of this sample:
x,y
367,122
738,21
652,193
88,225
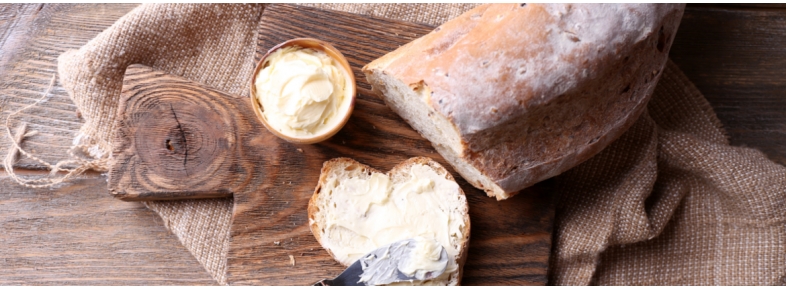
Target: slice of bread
x,y
356,209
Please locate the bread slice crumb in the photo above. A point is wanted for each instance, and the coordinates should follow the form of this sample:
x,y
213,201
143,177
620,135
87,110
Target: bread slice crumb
x,y
338,171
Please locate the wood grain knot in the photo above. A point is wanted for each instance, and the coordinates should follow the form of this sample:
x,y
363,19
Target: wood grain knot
x,y
176,139
189,142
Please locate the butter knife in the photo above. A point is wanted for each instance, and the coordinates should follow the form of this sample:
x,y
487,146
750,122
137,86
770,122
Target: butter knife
x,y
381,266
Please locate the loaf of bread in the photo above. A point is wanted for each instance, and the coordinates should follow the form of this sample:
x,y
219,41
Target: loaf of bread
x,y
512,94
356,209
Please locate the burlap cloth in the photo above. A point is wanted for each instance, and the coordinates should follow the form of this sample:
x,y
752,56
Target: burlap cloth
x,y
670,202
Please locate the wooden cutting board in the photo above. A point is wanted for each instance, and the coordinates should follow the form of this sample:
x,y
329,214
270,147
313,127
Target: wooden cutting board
x,y
180,139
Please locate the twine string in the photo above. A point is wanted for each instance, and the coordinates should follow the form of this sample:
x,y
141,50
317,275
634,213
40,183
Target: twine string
x,y
82,163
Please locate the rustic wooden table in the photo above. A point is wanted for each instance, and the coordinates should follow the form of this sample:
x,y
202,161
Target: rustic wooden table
x,y
78,234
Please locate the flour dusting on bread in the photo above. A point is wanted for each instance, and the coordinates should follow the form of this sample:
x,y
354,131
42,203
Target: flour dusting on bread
x,y
514,94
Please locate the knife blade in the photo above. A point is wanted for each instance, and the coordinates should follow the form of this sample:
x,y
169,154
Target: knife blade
x,y
381,266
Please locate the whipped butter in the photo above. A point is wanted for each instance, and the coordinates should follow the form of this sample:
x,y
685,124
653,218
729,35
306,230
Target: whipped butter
x,y
416,259
302,91
425,257
375,212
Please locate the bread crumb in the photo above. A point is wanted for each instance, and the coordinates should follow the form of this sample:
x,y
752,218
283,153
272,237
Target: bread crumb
x,y
292,260
300,150
277,243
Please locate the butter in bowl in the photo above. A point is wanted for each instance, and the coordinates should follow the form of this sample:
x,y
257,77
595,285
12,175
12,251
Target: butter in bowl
x,y
303,90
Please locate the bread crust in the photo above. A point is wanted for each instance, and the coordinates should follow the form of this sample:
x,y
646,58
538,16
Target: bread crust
x,y
532,91
340,163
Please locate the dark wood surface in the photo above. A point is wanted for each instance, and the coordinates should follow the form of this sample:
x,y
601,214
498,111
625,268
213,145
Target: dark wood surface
x,y
737,59
78,234
734,54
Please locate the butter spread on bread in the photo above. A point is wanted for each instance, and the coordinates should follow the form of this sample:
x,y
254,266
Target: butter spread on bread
x,y
512,94
356,209
424,258
411,260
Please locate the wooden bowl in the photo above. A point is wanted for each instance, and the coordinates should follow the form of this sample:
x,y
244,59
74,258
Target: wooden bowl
x,y
344,110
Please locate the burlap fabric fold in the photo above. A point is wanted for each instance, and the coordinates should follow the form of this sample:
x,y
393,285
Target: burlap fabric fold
x,y
670,202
